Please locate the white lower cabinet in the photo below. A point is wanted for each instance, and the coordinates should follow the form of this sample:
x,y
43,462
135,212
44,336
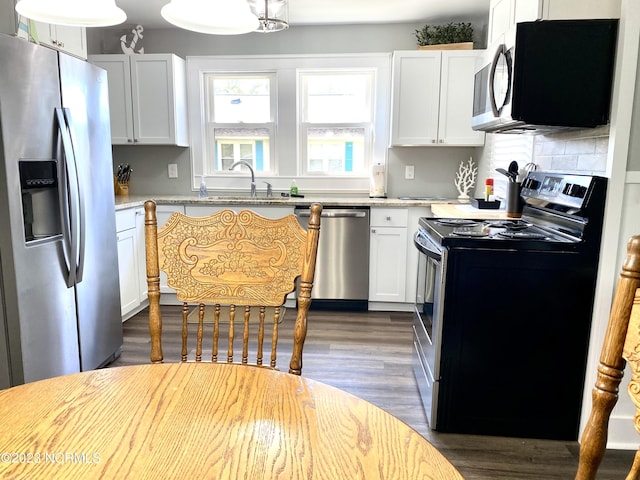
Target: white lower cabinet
x,y
388,254
128,262
132,263
393,263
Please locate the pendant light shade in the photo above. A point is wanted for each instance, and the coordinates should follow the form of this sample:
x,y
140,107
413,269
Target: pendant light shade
x,y
272,14
219,17
75,13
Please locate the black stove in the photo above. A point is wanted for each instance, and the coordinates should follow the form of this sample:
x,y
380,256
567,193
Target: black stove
x,y
561,212
506,327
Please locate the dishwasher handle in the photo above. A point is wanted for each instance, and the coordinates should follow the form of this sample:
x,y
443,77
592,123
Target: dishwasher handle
x,y
334,213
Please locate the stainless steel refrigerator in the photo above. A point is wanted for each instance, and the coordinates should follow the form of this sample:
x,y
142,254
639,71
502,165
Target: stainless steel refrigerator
x,y
59,293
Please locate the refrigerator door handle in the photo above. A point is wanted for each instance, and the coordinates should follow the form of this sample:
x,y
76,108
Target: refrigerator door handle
x,y
70,207
81,233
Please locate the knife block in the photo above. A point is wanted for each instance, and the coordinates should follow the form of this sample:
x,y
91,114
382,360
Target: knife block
x,y
121,189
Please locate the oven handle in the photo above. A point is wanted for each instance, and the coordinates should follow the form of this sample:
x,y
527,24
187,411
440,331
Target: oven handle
x,y
426,246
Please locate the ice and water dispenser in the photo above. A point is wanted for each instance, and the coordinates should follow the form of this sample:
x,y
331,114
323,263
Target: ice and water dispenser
x,y
40,199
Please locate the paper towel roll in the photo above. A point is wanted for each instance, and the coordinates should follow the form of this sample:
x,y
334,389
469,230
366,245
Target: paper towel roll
x,y
376,183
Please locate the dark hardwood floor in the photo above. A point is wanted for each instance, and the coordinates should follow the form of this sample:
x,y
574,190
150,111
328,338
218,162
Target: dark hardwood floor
x,y
370,355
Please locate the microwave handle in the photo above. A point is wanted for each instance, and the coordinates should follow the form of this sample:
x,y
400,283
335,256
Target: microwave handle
x,y
501,50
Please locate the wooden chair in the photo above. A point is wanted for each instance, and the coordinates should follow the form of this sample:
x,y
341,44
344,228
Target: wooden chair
x,y
241,263
622,342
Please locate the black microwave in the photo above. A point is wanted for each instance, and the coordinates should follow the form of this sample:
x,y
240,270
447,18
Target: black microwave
x,y
558,75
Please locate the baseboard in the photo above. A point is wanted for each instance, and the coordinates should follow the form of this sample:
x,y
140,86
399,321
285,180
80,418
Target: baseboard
x,y
390,307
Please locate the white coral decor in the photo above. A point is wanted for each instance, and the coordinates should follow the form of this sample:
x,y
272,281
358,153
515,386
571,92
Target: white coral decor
x,y
465,178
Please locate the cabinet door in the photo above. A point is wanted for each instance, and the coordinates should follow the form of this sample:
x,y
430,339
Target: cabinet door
x,y
153,93
141,257
43,33
500,19
527,10
128,271
456,99
416,91
71,40
580,9
387,264
120,104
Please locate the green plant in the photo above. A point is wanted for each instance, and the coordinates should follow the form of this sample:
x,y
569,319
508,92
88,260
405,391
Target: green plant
x,y
448,33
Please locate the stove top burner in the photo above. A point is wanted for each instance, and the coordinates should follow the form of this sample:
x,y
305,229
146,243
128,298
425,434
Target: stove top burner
x,y
508,224
457,222
460,232
522,235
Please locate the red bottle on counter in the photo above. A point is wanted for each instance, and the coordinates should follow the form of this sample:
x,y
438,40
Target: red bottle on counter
x,y
488,189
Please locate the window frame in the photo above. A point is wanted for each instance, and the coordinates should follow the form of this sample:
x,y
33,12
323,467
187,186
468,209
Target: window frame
x,y
210,154
304,126
286,159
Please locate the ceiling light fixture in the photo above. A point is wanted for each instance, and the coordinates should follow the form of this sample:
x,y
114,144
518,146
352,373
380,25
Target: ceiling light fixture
x,y
74,13
272,14
218,17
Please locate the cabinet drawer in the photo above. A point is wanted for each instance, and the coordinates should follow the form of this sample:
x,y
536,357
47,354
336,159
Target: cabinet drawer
x,y
389,217
125,219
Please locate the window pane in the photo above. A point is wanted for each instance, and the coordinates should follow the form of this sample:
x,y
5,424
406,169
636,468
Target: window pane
x,y
241,100
248,144
336,150
338,98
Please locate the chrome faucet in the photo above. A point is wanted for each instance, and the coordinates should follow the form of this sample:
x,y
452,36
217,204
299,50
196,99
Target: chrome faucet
x,y
253,176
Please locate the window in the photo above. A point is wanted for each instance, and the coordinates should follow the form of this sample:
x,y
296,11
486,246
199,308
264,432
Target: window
x,y
319,119
336,119
240,123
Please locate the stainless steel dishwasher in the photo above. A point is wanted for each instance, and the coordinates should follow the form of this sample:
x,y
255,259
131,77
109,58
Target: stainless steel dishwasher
x,y
342,266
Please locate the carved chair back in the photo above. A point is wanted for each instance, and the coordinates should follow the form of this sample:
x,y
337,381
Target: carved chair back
x,y
232,272
622,342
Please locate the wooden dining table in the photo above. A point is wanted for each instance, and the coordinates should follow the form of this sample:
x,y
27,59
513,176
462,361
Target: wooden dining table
x,y
204,421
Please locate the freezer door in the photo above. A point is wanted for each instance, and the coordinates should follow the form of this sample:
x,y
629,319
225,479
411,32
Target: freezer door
x,y
40,314
86,100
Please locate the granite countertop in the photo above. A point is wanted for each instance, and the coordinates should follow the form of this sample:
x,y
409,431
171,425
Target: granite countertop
x,y
123,202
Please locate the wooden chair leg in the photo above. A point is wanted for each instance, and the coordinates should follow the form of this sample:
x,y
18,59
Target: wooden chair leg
x,y
634,473
611,368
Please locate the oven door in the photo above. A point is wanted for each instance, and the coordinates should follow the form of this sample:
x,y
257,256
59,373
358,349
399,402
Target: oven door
x,y
427,323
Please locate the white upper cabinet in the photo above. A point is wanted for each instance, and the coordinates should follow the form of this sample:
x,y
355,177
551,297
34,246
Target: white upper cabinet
x,y
433,98
147,98
505,14
71,40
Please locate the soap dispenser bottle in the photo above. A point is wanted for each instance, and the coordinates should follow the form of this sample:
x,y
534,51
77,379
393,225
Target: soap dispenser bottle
x,y
293,189
203,188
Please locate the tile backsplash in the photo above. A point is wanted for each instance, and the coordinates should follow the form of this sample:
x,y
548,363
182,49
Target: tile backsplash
x,y
579,151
